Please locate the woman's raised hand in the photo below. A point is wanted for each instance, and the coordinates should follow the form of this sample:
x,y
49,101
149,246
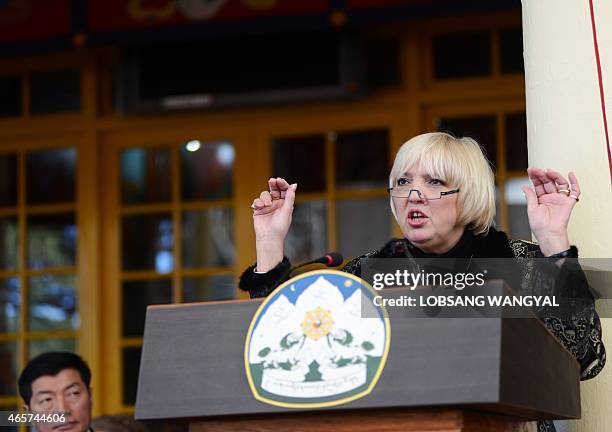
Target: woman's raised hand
x,y
549,207
272,213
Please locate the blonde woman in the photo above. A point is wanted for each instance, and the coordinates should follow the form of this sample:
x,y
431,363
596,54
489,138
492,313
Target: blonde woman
x,y
442,195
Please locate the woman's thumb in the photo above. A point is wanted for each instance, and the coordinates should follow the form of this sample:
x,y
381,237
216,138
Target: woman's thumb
x,y
532,199
290,196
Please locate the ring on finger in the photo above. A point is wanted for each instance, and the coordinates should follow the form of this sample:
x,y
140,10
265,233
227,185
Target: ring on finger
x,y
575,197
565,191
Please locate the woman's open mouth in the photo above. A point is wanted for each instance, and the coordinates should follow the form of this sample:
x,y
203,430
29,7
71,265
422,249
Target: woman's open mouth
x,y
416,218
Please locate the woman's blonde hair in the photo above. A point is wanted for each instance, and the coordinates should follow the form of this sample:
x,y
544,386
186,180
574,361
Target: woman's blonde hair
x,y
460,163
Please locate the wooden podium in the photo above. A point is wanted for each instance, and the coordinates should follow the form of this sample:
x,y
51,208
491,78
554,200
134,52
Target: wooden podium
x,y
442,374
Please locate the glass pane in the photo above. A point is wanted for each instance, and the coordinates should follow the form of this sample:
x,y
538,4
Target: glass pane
x,y
307,237
137,295
10,305
53,303
145,175
131,367
50,176
462,55
511,50
382,61
519,222
516,141
218,287
10,96
8,180
208,238
480,128
362,159
55,91
52,240
8,368
37,347
207,170
363,225
9,242
299,59
147,242
300,160
517,208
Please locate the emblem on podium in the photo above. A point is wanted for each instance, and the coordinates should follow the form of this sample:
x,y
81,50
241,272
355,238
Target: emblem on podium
x,y
317,340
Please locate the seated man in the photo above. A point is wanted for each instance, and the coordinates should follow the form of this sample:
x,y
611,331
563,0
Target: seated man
x,y
58,382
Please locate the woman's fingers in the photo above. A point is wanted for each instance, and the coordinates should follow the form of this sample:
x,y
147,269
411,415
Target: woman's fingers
x,y
530,195
535,175
274,189
290,197
551,181
560,181
266,197
574,185
260,208
548,183
278,187
283,186
265,200
281,183
280,190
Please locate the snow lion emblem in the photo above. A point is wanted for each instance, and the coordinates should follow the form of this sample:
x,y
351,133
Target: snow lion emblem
x,y
308,344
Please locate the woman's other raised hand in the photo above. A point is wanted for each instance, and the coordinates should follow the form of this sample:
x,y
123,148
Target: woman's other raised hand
x,y
272,213
549,207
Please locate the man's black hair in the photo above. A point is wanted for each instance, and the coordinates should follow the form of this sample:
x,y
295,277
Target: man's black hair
x,y
51,363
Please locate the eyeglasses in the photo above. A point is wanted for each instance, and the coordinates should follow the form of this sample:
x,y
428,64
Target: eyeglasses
x,y
404,192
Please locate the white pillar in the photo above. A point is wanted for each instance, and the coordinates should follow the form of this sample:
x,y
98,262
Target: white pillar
x,y
565,130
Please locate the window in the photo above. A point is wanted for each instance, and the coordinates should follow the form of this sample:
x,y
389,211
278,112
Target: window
x,y
55,91
511,50
10,96
38,258
469,54
48,91
339,176
176,219
503,137
462,55
382,53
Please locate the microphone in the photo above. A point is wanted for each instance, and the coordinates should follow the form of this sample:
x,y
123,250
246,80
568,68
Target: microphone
x,y
330,259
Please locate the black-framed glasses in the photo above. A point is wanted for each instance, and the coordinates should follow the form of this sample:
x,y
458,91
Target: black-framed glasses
x,y
405,192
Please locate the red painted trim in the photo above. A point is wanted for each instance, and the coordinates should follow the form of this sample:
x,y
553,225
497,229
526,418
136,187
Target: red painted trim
x,y
601,88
